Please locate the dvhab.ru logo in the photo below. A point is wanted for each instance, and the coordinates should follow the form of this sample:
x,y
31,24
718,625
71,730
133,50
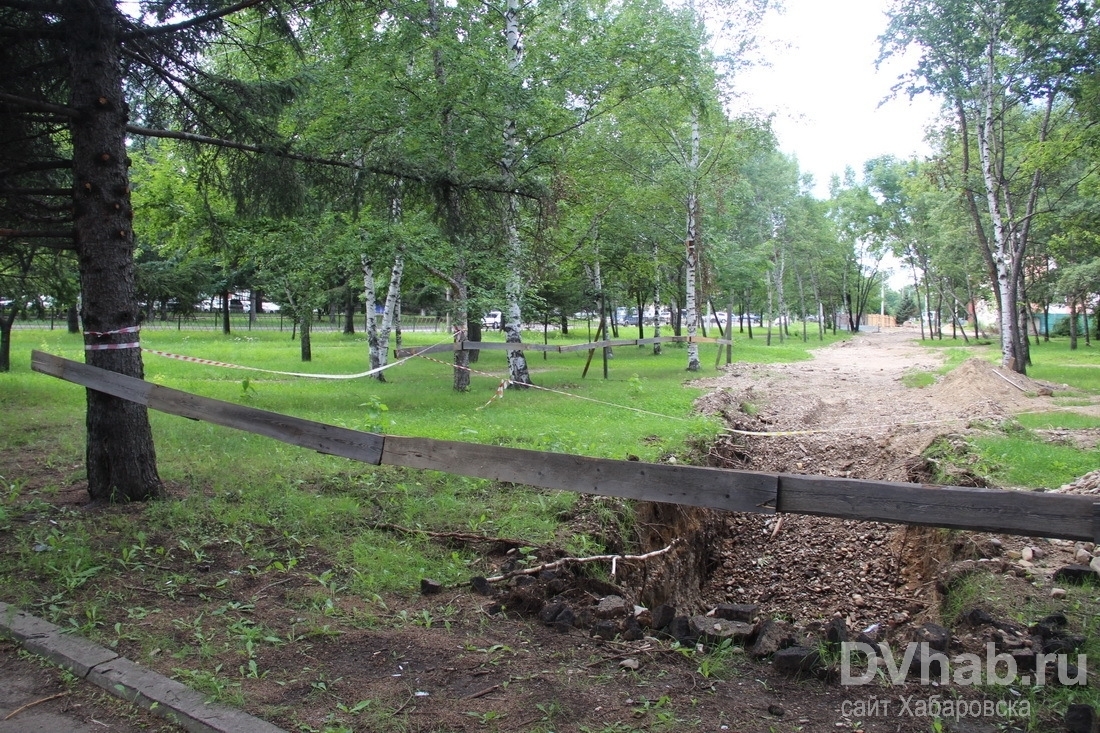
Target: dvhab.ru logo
x,y
963,669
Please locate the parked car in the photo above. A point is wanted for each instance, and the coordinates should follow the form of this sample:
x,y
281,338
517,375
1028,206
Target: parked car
x,y
493,319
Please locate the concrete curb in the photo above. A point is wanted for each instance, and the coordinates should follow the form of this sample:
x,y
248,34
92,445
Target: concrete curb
x,y
161,696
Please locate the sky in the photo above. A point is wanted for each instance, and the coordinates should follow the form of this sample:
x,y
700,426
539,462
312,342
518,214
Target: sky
x,y
822,86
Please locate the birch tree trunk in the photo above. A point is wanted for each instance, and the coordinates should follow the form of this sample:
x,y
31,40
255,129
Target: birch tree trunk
x,y
1002,259
372,322
692,245
514,286
656,300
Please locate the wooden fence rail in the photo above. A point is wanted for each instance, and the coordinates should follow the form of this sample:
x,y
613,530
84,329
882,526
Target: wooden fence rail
x,y
990,510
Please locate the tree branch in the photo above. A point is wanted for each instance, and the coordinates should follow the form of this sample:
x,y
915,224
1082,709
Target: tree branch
x,y
191,23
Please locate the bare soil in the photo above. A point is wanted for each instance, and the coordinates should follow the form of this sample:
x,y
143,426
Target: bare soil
x,y
460,661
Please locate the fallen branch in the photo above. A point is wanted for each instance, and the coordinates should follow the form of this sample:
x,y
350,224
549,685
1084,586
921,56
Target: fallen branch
x,y
460,536
482,693
18,710
613,559
775,530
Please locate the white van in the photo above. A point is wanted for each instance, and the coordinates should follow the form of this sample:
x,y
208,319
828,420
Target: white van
x,y
493,319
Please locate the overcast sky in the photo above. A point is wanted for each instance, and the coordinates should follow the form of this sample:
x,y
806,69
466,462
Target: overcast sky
x,y
825,92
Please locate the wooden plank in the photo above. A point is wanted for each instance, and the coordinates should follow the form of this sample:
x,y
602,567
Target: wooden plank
x,y
735,491
1064,516
980,510
434,349
316,436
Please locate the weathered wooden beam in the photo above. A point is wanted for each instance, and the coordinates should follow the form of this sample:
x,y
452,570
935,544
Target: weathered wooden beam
x,y
735,491
983,510
1034,514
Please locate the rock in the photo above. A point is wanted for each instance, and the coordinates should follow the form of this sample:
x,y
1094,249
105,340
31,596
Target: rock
x,y
1038,553
1082,556
632,664
836,632
481,586
1063,644
1027,554
744,612
1094,563
680,630
565,620
857,599
550,612
661,616
978,617
430,587
770,637
716,630
632,631
776,711
796,660
937,636
1075,575
1024,659
1045,392
1081,719
1053,621
522,580
606,630
644,618
1057,593
612,607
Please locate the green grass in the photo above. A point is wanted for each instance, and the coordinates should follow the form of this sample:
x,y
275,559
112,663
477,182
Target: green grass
x,y
228,485
1060,420
1024,461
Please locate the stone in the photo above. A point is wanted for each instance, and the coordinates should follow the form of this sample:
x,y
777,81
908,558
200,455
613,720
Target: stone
x,y
430,587
1094,563
937,636
565,620
606,630
770,637
776,711
1057,593
612,607
481,586
712,630
631,664
745,612
1063,644
680,630
1082,556
521,581
1024,659
661,616
1081,719
1075,575
836,632
550,612
978,617
796,660
1027,554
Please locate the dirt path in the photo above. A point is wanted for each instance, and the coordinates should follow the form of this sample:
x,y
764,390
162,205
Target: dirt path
x,y
847,413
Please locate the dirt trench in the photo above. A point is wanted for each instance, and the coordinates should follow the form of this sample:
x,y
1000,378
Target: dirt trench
x,y
845,413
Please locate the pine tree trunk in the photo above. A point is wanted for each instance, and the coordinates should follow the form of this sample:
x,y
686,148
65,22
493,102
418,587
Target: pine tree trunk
x,y
121,460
